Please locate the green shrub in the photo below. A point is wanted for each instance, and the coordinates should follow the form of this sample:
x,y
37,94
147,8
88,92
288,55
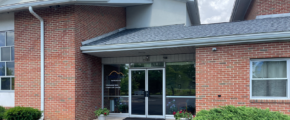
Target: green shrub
x,y
239,113
22,113
100,111
2,111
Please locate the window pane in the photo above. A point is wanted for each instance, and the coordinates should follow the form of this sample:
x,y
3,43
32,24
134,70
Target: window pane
x,y
116,104
269,69
10,38
2,68
180,79
2,38
154,64
10,68
116,80
177,104
12,53
5,54
269,88
5,84
13,83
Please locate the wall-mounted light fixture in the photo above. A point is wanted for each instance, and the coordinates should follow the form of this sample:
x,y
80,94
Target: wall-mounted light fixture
x,y
214,49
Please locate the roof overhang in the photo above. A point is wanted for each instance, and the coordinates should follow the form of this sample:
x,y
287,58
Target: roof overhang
x,y
240,10
196,42
44,3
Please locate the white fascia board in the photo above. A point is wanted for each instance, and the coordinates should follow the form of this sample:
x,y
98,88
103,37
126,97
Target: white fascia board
x,y
14,7
21,6
131,1
197,42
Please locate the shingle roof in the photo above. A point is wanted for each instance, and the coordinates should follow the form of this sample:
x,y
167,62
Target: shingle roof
x,y
174,32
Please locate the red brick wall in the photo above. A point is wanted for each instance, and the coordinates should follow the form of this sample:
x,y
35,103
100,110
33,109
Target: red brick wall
x,y
226,73
96,21
266,7
72,79
59,61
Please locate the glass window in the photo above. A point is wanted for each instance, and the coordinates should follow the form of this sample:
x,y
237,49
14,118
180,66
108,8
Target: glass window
x,y
180,79
116,80
2,38
140,65
5,84
5,54
13,83
10,68
6,61
12,53
177,104
269,79
10,38
116,104
2,68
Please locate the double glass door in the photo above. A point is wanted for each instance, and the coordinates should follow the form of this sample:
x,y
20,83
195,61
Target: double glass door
x,y
147,93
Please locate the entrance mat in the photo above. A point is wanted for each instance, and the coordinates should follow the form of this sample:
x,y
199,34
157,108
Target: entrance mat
x,y
143,119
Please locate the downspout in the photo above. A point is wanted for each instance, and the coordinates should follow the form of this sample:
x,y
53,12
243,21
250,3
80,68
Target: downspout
x,y
42,58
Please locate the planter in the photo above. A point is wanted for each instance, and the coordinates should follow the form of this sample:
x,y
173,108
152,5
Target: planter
x,y
101,117
183,118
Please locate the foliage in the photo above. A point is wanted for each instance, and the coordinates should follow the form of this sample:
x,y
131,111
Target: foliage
x,y
100,111
182,114
180,79
172,106
239,113
22,113
2,111
122,106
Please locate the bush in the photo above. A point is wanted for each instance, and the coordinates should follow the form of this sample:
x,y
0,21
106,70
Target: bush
x,y
22,113
239,113
100,111
2,111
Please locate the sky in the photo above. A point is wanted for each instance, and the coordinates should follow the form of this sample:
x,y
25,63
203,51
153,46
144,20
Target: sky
x,y
215,11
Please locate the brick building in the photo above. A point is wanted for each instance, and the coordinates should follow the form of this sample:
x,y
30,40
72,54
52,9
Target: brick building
x,y
142,58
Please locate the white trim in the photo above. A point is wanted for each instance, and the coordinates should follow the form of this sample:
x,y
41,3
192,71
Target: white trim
x,y
103,86
288,76
249,38
25,5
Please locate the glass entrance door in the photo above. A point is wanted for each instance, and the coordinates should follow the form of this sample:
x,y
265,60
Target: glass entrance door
x,y
147,93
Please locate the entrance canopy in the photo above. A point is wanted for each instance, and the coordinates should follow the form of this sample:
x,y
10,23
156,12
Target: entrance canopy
x,y
177,39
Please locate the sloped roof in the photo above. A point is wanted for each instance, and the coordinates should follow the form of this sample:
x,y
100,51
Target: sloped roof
x,y
175,32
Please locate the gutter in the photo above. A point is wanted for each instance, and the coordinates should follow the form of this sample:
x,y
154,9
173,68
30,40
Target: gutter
x,y
42,57
197,42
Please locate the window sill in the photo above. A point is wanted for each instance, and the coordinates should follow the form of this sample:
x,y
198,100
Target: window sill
x,y
270,101
6,91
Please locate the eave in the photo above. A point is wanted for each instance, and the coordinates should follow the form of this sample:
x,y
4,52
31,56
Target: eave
x,y
197,42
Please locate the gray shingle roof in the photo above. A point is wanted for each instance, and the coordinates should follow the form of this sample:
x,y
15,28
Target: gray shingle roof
x,y
174,32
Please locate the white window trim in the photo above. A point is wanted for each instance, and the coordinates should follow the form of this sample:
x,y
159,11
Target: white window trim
x,y
288,76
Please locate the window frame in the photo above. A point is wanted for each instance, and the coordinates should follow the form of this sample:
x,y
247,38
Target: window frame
x,y
5,62
287,78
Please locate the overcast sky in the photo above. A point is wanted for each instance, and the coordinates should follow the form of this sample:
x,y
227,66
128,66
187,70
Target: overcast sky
x,y
215,11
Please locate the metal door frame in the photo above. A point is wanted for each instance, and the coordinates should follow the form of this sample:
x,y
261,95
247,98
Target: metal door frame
x,y
146,89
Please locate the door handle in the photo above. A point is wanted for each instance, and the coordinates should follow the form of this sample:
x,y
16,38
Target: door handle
x,y
146,93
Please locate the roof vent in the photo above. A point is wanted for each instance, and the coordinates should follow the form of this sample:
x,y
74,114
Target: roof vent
x,y
273,16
